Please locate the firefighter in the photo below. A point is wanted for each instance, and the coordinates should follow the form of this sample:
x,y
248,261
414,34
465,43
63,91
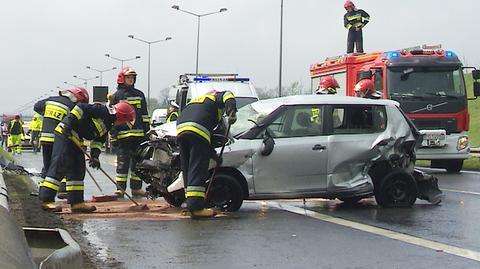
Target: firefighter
x,y
34,131
365,89
16,132
172,113
129,139
327,85
4,135
91,122
194,128
54,109
354,20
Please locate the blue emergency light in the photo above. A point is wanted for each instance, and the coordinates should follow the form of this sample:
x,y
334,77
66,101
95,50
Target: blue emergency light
x,y
449,54
391,54
220,79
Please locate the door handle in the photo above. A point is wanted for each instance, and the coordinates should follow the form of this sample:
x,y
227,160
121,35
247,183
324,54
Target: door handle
x,y
319,147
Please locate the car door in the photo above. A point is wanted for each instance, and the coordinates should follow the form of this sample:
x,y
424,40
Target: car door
x,y
298,161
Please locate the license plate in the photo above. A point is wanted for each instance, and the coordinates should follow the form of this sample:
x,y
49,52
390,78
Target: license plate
x,y
433,138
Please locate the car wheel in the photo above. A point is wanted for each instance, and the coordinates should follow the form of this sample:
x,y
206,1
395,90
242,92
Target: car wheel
x,y
453,166
176,198
226,193
397,189
350,200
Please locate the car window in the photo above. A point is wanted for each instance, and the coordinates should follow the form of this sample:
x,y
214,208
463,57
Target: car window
x,y
358,119
297,121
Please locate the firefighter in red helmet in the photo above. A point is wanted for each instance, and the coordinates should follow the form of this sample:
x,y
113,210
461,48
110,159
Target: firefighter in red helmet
x,y
90,122
327,85
354,20
54,109
129,139
365,88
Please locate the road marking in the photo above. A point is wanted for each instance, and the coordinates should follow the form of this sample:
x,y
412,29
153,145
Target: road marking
x,y
443,170
461,252
459,191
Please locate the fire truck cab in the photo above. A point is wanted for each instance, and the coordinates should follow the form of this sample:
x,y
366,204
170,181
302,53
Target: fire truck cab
x,y
429,84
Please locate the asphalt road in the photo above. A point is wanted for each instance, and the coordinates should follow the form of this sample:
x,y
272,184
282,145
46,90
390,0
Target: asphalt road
x,y
293,234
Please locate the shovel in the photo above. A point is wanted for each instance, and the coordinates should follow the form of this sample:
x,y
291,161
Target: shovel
x,y
103,197
225,138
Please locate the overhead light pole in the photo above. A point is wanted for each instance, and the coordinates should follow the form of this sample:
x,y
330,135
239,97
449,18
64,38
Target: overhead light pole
x,y
149,43
71,84
101,72
85,80
281,51
198,27
122,60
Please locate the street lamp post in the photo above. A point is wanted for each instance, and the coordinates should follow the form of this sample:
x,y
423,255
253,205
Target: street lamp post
x,y
101,72
281,51
198,27
85,79
122,60
149,44
71,84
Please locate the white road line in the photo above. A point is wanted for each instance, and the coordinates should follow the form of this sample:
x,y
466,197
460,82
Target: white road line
x,y
461,252
459,191
443,170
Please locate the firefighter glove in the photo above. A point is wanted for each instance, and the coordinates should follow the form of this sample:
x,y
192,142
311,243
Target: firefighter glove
x,y
94,161
231,119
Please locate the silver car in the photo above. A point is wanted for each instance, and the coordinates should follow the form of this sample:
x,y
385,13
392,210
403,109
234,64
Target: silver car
x,y
313,146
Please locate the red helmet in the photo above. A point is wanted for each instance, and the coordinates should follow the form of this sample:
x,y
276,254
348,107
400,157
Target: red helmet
x,y
81,94
125,113
127,71
327,85
348,4
364,88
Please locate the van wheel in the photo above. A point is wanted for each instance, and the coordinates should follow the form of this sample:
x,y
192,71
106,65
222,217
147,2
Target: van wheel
x,y
453,166
226,193
176,198
397,189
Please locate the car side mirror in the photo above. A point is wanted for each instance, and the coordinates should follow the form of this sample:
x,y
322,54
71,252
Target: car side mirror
x,y
476,89
267,144
476,74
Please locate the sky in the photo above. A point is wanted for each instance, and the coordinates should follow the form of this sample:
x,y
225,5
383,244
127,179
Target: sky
x,y
45,43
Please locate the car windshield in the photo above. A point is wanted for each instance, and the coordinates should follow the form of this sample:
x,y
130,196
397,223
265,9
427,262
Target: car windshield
x,y
256,112
425,83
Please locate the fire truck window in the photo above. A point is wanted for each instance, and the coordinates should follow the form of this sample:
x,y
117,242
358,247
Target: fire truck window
x,y
378,80
341,79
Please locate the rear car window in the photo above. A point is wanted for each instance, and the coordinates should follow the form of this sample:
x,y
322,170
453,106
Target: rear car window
x,y
359,119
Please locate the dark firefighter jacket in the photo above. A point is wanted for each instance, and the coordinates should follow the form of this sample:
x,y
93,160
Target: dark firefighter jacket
x,y
53,110
173,116
136,98
357,18
90,122
16,127
203,113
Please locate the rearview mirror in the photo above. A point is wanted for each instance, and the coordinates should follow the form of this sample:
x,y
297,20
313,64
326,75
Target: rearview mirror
x,y
267,144
476,89
476,74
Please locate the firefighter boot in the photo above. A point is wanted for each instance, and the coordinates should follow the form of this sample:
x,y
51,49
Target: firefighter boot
x,y
119,194
82,208
52,207
203,213
62,195
138,193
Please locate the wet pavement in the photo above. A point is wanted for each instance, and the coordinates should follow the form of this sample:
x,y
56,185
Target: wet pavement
x,y
267,234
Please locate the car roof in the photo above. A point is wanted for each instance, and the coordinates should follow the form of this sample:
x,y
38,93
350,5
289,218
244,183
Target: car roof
x,y
324,100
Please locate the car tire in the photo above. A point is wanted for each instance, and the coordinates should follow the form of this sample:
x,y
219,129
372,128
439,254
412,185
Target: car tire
x,y
453,166
226,193
397,189
176,198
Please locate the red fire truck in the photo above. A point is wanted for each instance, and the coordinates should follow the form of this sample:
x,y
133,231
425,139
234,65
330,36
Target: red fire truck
x,y
429,84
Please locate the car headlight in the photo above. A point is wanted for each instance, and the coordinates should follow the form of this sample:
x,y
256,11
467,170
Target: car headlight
x,y
462,143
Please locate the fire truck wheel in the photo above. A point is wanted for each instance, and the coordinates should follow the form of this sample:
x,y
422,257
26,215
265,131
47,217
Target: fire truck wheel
x,y
454,166
397,189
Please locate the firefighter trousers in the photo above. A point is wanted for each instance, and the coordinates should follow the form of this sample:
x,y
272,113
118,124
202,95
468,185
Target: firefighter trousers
x,y
125,163
16,143
67,161
355,39
194,158
47,149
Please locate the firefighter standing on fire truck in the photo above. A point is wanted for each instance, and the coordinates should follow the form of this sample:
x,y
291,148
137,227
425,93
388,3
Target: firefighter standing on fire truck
x,y
91,122
195,126
327,85
129,139
354,20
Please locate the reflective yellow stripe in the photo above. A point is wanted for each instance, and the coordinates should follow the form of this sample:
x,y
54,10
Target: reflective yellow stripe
x,y
77,112
64,180
47,139
354,17
100,126
95,145
121,179
227,96
195,130
349,26
55,112
135,178
75,188
366,18
201,99
50,185
195,194
130,135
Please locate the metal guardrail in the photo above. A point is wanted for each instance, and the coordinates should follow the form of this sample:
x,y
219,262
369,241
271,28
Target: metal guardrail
x,y
475,150
3,192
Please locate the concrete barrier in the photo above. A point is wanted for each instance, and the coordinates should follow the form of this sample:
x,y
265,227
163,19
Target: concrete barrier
x,y
3,192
